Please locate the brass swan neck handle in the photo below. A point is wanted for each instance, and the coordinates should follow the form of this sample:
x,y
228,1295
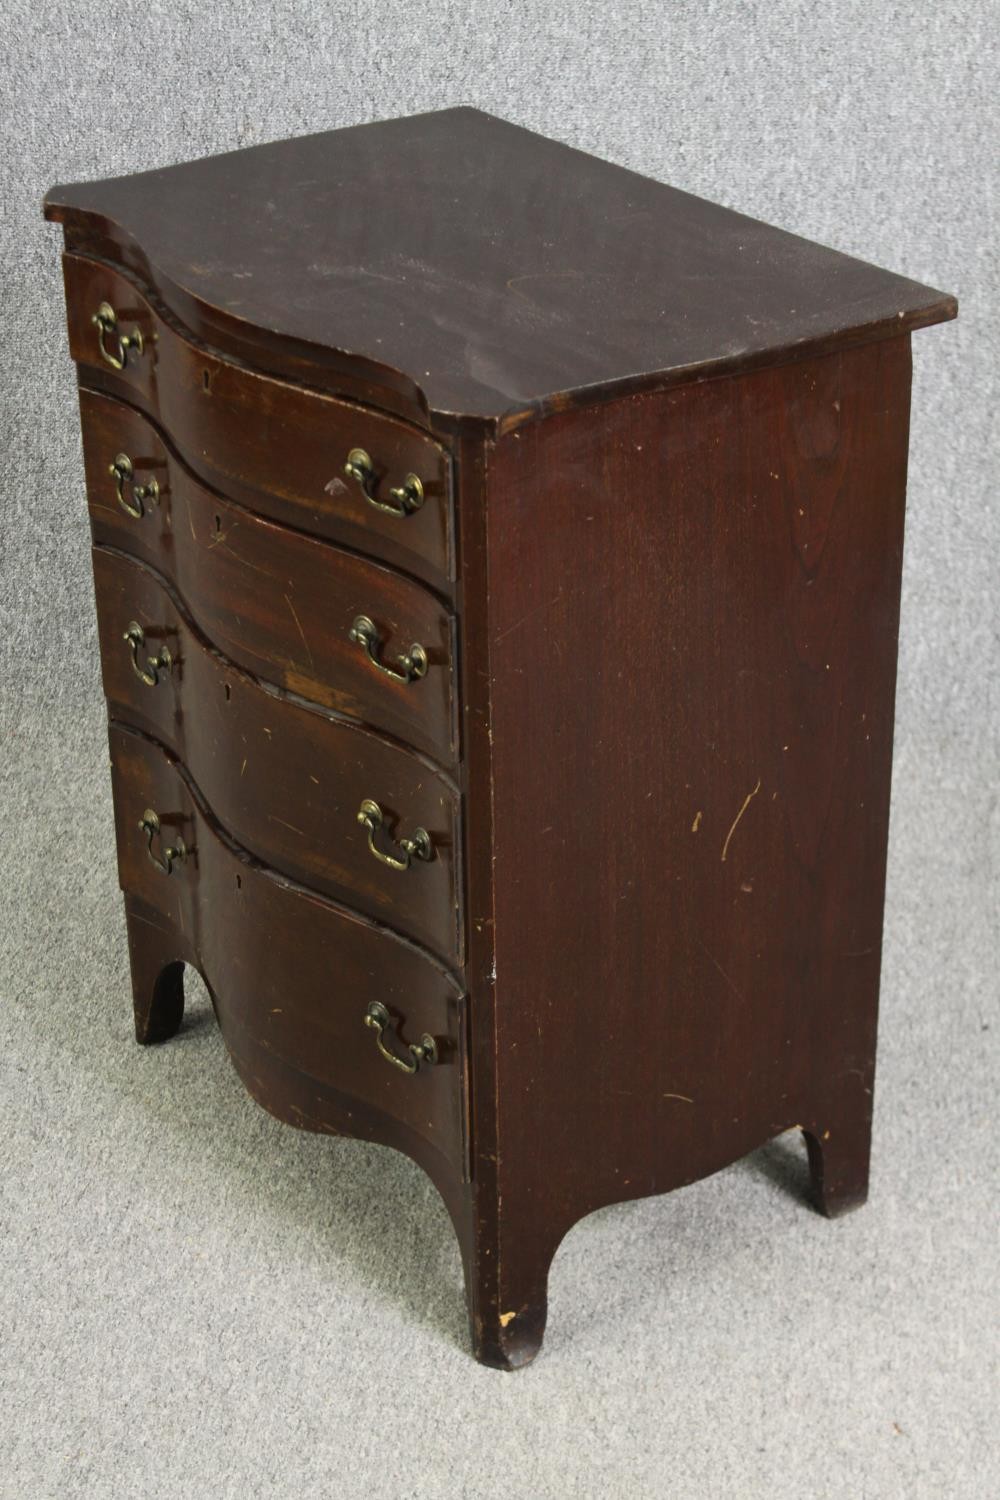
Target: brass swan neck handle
x,y
423,1054
105,320
418,846
122,470
172,854
404,498
135,637
408,668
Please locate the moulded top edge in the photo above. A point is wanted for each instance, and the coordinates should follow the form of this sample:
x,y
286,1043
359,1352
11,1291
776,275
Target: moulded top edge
x,y
474,270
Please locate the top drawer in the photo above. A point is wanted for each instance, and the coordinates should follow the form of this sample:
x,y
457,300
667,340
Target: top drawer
x,y
278,447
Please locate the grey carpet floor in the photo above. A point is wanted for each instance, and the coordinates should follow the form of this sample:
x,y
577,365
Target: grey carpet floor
x,y
198,1301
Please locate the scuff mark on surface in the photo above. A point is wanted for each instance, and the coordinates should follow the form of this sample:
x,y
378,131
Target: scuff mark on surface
x,y
524,618
715,963
298,624
271,818
746,803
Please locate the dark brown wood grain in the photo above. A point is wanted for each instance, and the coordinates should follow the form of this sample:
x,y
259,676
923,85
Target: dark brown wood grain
x,y
277,602
275,446
657,577
689,916
222,912
286,780
474,267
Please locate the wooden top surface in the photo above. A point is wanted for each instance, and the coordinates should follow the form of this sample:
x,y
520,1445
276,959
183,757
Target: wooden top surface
x,y
495,270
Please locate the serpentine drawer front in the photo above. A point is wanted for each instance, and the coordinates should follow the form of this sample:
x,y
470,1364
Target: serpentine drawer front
x,y
288,782
277,447
282,605
497,560
173,861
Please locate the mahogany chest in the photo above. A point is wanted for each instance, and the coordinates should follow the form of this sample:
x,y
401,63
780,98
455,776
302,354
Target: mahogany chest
x,y
497,559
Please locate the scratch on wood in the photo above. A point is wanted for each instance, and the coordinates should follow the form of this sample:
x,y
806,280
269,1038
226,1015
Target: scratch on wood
x,y
746,803
697,822
546,276
302,633
244,562
157,926
524,618
715,962
272,819
683,1097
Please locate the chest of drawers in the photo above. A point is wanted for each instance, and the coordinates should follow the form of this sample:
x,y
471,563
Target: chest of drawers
x,y
497,559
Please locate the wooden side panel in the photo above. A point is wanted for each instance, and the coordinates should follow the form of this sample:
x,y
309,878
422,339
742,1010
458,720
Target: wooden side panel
x,y
693,624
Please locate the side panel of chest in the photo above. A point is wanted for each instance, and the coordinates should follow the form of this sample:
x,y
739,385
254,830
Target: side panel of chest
x,y
694,609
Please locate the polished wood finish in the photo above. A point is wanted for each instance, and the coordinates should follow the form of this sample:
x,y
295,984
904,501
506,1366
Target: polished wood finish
x,y
657,574
277,447
277,602
474,269
285,780
223,910
722,804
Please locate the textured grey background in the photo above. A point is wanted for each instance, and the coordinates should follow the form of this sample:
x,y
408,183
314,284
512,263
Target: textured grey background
x,y
195,1300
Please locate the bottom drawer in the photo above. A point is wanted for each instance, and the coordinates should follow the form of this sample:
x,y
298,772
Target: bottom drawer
x,y
319,987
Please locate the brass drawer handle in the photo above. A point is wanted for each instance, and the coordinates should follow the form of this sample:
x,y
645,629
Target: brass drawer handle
x,y
408,667
406,497
123,472
150,675
423,1054
371,816
150,825
106,321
